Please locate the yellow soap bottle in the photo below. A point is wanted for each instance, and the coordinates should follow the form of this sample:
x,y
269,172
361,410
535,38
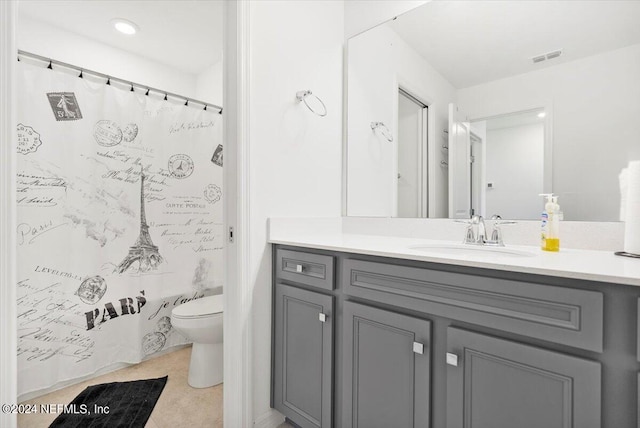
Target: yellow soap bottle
x,y
551,224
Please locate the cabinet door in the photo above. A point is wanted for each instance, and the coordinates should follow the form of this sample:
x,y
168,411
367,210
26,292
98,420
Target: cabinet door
x,y
386,360
303,375
495,383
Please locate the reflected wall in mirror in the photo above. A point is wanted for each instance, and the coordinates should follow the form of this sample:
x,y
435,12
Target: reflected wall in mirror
x,y
506,165
450,77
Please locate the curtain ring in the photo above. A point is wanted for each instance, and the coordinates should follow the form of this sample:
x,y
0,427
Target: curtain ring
x,y
301,96
382,128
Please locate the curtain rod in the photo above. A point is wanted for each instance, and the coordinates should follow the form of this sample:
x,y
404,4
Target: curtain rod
x,y
117,79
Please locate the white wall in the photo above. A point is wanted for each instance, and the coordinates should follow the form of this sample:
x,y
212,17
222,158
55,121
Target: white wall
x,y
52,42
514,164
595,123
360,15
209,84
379,62
295,156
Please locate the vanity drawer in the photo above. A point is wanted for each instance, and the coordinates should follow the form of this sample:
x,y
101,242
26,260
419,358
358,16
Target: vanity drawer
x,y
311,269
557,314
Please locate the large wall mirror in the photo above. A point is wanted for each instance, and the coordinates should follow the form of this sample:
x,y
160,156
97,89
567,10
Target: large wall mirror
x,y
475,107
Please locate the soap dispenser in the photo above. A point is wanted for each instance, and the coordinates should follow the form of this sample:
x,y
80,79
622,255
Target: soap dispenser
x,y
551,224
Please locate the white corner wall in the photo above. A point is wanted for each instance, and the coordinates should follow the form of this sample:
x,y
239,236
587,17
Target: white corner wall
x,y
295,156
361,15
595,123
380,62
52,42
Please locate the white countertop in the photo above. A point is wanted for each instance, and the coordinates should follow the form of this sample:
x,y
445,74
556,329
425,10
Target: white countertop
x,y
590,265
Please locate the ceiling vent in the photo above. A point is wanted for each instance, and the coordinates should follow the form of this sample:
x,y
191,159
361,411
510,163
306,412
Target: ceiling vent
x,y
549,55
554,54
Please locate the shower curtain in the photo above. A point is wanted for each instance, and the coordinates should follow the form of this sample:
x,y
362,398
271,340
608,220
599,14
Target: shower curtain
x,y
119,220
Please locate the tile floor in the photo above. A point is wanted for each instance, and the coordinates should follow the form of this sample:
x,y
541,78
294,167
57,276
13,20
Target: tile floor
x,y
179,405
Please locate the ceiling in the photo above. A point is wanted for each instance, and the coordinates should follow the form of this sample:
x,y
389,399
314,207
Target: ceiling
x,y
183,34
473,42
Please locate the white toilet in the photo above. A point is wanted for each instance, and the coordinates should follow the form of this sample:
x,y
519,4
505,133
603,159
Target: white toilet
x,y
200,321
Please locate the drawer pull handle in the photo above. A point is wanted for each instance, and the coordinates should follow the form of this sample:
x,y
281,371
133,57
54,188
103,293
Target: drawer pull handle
x,y
452,359
299,268
418,348
322,317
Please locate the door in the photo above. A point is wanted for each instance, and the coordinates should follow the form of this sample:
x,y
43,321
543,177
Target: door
x,y
303,372
386,378
477,176
495,383
459,164
412,157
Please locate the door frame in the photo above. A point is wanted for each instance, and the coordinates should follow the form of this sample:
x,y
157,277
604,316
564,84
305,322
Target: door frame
x,y
478,172
8,279
237,322
457,120
429,140
423,153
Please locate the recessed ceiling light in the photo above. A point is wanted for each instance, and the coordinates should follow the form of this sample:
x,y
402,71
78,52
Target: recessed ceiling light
x,y
125,26
542,114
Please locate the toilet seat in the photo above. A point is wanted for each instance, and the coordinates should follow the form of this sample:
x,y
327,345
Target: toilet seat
x,y
199,308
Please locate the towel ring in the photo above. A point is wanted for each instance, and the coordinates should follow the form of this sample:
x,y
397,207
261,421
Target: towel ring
x,y
302,96
386,133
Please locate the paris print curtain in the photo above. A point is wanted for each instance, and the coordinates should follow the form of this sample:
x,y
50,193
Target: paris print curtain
x,y
119,221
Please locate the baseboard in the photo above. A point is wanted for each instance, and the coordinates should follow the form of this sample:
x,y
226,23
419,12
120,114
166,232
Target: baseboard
x,y
269,419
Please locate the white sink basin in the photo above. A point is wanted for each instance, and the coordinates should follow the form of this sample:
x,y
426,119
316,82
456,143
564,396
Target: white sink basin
x,y
472,250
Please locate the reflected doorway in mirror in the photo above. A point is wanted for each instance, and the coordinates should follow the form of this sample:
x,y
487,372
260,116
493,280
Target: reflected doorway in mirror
x,y
412,184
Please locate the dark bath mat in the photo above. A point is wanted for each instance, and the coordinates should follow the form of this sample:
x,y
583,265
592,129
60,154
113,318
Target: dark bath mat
x,y
129,405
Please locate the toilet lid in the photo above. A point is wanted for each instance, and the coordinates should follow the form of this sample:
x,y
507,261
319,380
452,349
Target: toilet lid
x,y
202,307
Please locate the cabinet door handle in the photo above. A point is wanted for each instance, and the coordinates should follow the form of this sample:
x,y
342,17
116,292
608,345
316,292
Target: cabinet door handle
x,y
418,348
452,359
299,268
322,317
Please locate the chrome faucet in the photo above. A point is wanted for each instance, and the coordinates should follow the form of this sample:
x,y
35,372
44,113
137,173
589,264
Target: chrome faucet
x,y
496,235
476,232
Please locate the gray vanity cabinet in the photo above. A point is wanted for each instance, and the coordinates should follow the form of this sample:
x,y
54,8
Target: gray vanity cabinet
x,y
386,377
495,383
303,342
412,344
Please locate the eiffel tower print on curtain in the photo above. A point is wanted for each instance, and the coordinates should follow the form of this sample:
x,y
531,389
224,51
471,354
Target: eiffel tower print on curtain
x,y
143,251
